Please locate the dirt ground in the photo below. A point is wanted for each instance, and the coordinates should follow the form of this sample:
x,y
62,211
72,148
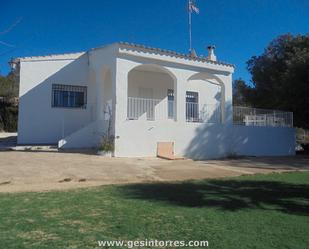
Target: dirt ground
x,y
42,171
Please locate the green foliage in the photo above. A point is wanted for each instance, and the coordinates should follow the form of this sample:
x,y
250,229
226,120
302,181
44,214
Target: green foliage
x,y
281,77
8,117
261,211
9,86
8,108
241,93
107,144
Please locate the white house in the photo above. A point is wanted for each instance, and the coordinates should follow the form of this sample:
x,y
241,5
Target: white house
x,y
154,95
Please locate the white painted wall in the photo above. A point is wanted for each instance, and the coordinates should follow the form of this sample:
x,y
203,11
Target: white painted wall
x,y
38,122
209,92
151,85
106,72
159,82
193,140
139,137
204,141
88,137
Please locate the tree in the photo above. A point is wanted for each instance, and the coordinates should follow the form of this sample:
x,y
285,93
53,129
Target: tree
x,y
281,77
241,93
9,86
8,108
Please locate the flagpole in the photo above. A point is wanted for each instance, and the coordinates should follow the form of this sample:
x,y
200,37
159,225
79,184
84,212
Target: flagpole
x,y
190,26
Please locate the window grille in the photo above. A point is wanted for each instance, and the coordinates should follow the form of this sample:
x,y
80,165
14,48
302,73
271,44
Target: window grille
x,y
69,96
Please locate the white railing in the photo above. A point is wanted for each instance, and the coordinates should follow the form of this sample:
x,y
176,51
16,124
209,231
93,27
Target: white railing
x,y
151,109
160,109
203,114
261,117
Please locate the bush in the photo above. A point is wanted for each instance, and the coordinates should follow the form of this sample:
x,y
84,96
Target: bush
x,y
107,144
8,117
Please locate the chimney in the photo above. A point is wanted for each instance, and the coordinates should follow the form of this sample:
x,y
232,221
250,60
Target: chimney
x,y
211,53
193,54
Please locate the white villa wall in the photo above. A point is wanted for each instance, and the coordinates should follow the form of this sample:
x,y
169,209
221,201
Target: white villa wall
x,y
39,123
139,137
193,140
106,72
87,137
204,141
209,93
158,83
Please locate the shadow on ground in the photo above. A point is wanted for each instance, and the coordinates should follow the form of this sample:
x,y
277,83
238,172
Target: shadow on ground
x,y
299,162
7,142
230,195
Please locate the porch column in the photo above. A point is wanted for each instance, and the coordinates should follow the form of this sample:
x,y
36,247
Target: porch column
x,y
180,98
120,92
99,84
227,95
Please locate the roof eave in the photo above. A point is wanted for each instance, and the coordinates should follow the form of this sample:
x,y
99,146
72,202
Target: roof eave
x,y
137,47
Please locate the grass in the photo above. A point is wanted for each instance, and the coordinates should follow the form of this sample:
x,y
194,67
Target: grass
x,y
261,211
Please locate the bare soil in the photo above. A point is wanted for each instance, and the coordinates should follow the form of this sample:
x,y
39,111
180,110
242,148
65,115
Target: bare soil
x,y
22,171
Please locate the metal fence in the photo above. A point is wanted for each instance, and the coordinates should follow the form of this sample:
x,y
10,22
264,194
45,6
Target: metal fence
x,y
261,117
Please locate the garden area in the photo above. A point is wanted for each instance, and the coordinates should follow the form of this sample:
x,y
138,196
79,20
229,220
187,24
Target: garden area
x,y
259,211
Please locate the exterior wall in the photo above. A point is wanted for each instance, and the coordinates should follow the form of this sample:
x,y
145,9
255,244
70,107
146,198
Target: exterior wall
x,y
209,93
140,137
204,141
193,140
38,122
159,83
87,137
111,78
102,65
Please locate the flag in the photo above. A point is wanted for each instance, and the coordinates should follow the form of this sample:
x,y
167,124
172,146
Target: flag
x,y
193,8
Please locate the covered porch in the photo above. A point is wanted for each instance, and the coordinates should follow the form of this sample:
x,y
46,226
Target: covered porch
x,y
152,96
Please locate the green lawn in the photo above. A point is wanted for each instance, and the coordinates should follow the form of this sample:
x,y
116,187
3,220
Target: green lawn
x,y
262,211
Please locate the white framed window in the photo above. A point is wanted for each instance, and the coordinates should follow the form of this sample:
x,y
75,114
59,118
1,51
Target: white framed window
x,y
68,96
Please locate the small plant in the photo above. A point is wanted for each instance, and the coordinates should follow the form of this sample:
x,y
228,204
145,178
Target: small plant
x,y
107,144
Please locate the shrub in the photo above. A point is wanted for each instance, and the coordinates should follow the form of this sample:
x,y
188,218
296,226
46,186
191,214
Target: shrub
x,y
8,117
107,144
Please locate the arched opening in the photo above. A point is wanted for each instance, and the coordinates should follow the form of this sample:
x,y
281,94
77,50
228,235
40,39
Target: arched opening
x,y
205,99
151,93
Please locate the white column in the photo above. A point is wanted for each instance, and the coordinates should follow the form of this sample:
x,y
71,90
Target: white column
x,y
180,98
100,78
98,94
227,103
120,92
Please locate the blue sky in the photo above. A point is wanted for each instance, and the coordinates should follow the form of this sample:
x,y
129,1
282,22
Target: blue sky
x,y
238,28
